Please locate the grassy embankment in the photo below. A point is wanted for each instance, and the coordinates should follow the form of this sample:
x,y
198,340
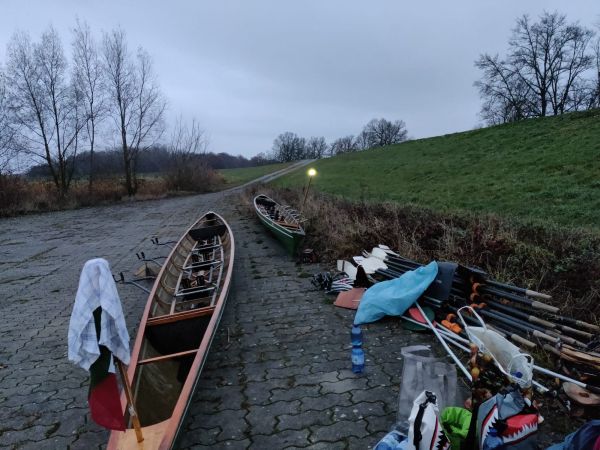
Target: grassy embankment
x,y
236,177
545,169
522,201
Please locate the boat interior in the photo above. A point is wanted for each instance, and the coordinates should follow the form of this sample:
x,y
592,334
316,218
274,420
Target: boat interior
x,y
183,304
280,214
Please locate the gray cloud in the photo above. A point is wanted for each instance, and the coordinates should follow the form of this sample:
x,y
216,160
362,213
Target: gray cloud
x,y
249,70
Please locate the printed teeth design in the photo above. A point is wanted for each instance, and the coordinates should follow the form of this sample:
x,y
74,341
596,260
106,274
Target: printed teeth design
x,y
489,424
522,433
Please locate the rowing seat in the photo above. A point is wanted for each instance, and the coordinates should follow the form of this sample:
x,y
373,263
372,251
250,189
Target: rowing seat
x,y
287,225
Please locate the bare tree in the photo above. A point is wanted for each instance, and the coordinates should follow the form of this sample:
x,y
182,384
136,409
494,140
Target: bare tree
x,y
315,147
543,73
44,104
134,100
506,97
363,140
289,146
382,132
189,172
595,103
7,132
87,77
344,144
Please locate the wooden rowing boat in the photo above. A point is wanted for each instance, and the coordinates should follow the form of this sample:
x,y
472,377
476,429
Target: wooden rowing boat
x,y
175,333
282,221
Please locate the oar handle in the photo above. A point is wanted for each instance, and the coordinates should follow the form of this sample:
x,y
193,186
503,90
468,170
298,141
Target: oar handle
x,y
520,340
594,389
535,294
129,396
544,307
589,326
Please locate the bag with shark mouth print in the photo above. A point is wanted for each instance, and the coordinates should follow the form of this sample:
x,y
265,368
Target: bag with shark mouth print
x,y
425,432
513,417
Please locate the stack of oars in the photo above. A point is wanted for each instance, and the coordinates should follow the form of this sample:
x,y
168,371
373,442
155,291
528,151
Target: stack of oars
x,y
517,313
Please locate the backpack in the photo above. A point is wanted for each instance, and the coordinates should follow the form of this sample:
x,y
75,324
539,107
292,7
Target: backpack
x,y
513,416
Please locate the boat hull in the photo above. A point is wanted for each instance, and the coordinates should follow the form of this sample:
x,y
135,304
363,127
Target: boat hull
x,y
172,346
289,238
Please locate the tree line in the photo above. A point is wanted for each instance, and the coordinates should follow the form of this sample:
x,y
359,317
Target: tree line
x,y
56,105
158,159
551,67
289,146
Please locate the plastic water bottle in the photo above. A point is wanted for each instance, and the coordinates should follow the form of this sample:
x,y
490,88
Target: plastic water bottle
x,y
394,440
356,336
358,360
493,441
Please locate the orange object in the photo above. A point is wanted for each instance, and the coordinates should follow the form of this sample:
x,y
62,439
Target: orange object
x,y
454,327
349,299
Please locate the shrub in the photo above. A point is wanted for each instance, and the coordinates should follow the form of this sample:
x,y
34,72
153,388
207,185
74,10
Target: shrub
x,y
193,176
563,262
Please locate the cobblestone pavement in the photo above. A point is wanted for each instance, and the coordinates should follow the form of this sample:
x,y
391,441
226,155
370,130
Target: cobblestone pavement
x,y
277,375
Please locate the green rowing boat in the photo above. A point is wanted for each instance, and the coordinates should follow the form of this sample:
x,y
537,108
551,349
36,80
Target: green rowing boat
x,y
282,221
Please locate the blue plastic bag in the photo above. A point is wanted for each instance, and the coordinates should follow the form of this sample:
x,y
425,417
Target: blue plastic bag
x,y
394,297
394,440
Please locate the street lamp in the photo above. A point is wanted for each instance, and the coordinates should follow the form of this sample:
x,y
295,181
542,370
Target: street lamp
x,y
311,173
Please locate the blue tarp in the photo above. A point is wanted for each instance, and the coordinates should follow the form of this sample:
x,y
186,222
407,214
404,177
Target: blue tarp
x,y
584,438
394,297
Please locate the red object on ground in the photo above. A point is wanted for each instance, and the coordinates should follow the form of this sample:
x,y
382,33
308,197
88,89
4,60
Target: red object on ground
x,y
349,299
105,404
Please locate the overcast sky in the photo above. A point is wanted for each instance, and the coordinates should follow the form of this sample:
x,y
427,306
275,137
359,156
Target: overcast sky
x,y
249,70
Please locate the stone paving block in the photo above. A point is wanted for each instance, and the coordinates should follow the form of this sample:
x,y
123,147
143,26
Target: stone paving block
x,y
379,424
90,440
303,420
298,392
207,437
321,446
360,411
339,431
262,419
364,443
282,440
325,401
280,357
340,386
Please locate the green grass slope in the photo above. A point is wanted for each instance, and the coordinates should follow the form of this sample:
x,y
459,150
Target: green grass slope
x,y
235,177
544,169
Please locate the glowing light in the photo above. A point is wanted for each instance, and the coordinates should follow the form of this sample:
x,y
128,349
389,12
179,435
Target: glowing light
x,y
311,172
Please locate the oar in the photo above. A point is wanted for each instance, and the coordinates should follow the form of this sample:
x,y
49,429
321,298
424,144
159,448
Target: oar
x,y
577,323
129,396
533,319
443,342
526,326
539,369
506,333
477,287
528,292
445,334
458,282
514,323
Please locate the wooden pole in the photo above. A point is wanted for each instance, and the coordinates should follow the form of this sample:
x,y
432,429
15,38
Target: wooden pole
x,y
132,413
306,194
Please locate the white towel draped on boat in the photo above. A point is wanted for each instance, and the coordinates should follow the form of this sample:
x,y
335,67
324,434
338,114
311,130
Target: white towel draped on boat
x,y
97,289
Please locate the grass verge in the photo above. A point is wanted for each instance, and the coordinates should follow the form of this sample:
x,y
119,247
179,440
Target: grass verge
x,y
236,177
544,169
550,258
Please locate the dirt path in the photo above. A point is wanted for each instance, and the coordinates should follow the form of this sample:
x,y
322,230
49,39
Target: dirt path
x,y
277,375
